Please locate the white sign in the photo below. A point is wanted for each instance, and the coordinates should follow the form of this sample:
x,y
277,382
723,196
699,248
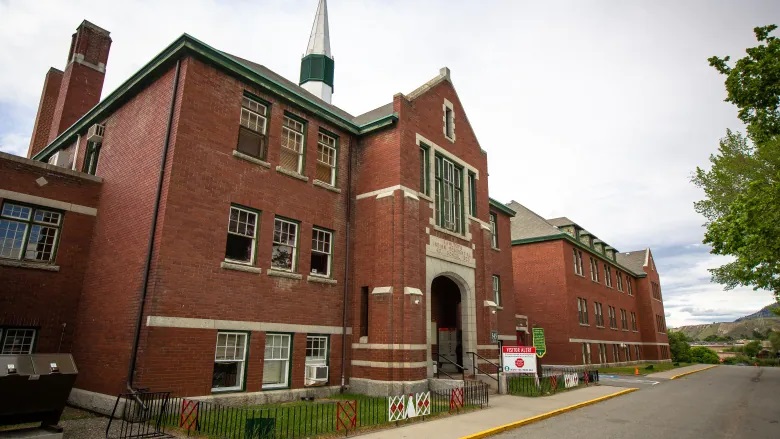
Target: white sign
x,y
408,406
519,359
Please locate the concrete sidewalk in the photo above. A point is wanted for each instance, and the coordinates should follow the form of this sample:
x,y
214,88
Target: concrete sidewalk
x,y
681,371
503,410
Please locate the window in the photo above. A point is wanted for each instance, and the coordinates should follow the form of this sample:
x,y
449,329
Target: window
x,y
276,363
292,145
449,122
599,311
16,341
364,311
229,361
633,321
628,285
424,170
615,353
251,132
628,352
608,275
656,290
619,278
594,270
586,353
91,157
602,353
326,158
472,194
660,323
321,245
242,233
623,319
577,261
285,246
637,352
493,230
449,195
316,350
612,317
28,233
582,311
497,289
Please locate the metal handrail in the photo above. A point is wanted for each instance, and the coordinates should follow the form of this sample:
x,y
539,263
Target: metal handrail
x,y
438,369
477,369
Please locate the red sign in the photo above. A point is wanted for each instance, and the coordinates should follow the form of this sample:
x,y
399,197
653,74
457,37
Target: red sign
x,y
518,349
519,362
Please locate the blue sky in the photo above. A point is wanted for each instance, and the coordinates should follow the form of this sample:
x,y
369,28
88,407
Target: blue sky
x,y
598,111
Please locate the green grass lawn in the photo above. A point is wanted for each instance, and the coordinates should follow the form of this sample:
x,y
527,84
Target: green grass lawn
x,y
643,368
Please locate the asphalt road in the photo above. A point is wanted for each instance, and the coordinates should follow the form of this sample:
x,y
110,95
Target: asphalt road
x,y
724,402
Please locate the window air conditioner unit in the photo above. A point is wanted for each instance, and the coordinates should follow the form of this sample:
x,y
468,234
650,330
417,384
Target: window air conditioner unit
x,y
316,373
95,133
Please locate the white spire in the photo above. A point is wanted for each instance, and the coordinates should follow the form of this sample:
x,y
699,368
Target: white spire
x,y
319,41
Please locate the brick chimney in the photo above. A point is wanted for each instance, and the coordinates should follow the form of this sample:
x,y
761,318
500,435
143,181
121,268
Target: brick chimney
x,y
70,94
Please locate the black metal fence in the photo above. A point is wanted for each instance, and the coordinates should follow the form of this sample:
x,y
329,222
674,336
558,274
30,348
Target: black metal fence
x,y
139,415
552,380
322,417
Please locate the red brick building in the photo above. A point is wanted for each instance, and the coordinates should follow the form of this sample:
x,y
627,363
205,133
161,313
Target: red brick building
x,y
597,305
223,230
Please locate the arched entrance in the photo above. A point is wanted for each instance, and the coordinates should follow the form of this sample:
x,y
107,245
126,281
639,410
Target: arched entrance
x,y
446,323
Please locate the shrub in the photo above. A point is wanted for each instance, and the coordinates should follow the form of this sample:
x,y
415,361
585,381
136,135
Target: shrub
x,y
679,347
702,354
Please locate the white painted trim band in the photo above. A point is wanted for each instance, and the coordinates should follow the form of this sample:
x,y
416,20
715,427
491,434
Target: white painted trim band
x,y
238,325
47,202
390,347
487,346
390,364
584,340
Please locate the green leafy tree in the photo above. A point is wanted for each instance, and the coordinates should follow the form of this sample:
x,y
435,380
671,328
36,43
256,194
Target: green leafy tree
x,y
703,354
742,186
774,338
752,349
679,347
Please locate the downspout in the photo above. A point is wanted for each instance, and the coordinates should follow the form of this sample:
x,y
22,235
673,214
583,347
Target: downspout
x,y
152,234
346,271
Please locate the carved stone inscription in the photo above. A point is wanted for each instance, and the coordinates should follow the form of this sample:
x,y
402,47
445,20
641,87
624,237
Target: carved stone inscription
x,y
450,251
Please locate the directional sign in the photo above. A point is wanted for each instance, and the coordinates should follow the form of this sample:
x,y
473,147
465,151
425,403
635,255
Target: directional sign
x,y
519,359
541,348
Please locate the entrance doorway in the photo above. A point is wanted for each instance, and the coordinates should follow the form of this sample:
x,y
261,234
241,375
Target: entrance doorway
x,y
446,324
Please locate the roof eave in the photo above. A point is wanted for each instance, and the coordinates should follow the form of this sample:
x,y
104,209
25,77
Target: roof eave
x,y
502,207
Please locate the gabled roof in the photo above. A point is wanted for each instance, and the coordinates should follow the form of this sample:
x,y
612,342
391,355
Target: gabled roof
x,y
634,260
561,221
526,224
247,71
376,113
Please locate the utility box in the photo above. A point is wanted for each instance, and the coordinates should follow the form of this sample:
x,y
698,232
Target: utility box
x,y
35,387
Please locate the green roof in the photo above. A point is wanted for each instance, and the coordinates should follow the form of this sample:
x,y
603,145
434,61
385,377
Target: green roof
x,y
502,207
248,72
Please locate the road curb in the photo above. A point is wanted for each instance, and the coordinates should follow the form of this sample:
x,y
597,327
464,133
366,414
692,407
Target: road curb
x,y
693,371
543,416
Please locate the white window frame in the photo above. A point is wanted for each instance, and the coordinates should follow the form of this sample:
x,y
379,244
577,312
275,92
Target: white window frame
x,y
619,279
608,275
449,195
293,135
448,119
317,360
318,246
14,349
286,361
497,289
594,269
50,220
238,336
577,261
629,287
493,230
250,214
294,263
327,154
254,115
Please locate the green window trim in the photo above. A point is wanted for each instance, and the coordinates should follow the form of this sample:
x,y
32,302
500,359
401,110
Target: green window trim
x,y
449,195
317,67
425,169
472,194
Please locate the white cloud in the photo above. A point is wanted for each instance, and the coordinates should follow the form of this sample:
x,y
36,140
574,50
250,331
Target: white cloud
x,y
598,111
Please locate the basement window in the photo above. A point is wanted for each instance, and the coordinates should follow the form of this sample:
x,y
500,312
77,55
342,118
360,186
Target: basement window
x,y
229,361
16,341
276,364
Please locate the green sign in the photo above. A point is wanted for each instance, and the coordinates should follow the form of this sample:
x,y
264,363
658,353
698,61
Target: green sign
x,y
541,348
494,336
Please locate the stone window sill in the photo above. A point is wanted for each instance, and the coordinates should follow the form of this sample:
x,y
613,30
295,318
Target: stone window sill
x,y
321,280
31,265
600,327
292,174
285,274
495,248
448,232
322,184
250,159
424,197
584,324
240,267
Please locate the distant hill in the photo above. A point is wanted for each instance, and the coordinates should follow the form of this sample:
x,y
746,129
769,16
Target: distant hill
x,y
765,312
742,327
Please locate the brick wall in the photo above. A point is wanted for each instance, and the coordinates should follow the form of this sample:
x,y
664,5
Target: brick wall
x,y
32,297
